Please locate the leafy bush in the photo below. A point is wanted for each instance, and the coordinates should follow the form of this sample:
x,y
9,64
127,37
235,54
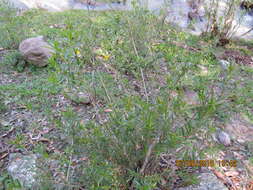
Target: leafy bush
x,y
124,151
220,16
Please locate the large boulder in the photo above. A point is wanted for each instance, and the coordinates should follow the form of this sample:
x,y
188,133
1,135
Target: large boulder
x,y
24,169
50,5
34,172
36,51
20,5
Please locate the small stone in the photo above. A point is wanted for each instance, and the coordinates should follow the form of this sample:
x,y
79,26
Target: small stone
x,y
80,98
223,138
83,98
204,70
224,64
77,96
242,141
36,51
241,129
4,123
191,97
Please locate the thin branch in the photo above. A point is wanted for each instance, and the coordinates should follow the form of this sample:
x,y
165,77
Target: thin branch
x,y
247,32
144,84
106,92
8,132
69,167
150,150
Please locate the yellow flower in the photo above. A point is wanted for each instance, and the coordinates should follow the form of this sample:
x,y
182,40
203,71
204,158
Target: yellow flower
x,y
102,54
78,53
106,57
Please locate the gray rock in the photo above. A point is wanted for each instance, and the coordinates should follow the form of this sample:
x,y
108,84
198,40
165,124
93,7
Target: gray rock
x,y
223,138
50,5
191,97
24,169
36,51
208,181
224,64
77,96
240,127
18,4
55,5
34,173
4,123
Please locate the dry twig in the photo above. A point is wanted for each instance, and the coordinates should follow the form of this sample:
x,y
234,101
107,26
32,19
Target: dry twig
x,y
8,133
150,149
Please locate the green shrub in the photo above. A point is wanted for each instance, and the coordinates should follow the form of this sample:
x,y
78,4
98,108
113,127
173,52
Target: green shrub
x,y
220,16
123,152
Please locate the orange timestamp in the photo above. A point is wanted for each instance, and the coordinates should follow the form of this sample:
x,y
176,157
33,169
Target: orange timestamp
x,y
206,163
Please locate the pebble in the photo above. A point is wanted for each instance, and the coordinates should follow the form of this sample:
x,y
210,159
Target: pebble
x,y
224,64
223,138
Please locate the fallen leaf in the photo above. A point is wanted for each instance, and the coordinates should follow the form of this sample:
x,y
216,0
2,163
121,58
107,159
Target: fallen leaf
x,y
107,110
4,156
219,175
84,159
57,26
6,134
44,140
232,173
250,185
